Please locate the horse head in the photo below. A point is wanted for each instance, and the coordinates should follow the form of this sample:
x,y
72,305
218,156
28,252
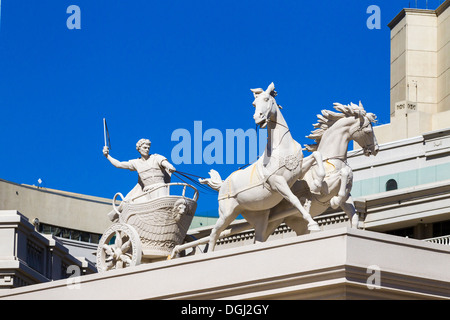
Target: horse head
x,y
265,105
357,123
362,130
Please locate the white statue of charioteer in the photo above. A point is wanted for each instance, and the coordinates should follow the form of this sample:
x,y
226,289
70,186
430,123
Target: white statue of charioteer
x,y
152,219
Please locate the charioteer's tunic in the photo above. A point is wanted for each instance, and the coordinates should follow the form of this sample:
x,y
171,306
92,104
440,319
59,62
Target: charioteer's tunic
x,y
151,174
150,171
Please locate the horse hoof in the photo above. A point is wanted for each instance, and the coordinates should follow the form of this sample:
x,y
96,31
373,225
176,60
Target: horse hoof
x,y
355,222
335,202
313,226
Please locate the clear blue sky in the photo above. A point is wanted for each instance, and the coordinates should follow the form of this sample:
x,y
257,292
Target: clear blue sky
x,y
151,67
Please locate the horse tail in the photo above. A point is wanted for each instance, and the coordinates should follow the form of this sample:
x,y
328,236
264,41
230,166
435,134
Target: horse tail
x,y
214,182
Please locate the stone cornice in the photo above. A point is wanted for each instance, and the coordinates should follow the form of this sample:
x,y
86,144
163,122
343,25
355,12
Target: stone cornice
x,y
442,7
403,13
399,17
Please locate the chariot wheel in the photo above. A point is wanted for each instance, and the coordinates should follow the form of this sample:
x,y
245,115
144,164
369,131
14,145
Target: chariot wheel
x,y
119,247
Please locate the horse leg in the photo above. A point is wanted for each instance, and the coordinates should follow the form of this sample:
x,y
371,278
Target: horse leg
x,y
336,201
272,226
227,213
295,222
260,222
320,172
349,208
278,183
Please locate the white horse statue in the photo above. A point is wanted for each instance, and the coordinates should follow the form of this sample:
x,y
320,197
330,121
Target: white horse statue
x,y
253,191
333,133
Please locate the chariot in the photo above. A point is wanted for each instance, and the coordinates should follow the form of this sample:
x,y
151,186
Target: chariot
x,y
148,227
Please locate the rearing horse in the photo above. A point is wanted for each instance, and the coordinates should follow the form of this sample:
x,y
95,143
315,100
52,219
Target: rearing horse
x,y
253,191
333,133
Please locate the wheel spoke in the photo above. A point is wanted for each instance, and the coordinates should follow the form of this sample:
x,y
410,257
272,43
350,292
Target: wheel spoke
x,y
107,249
126,246
118,242
125,259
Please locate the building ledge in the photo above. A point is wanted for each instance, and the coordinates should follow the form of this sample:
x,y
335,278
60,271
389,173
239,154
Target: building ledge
x,y
332,264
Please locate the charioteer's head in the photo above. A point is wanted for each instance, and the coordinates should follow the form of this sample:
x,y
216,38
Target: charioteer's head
x,y
143,147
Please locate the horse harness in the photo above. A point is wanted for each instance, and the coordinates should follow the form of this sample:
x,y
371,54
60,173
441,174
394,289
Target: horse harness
x,y
290,162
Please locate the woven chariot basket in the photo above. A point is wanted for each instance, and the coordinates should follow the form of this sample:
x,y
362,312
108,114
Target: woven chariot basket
x,y
161,223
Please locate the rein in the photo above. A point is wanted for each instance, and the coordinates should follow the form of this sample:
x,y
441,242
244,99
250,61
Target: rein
x,y
184,175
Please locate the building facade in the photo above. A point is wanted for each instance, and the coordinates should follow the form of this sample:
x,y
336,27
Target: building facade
x,y
402,196
420,74
29,257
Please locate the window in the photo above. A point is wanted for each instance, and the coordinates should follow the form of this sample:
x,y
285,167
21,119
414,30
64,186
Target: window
x,y
75,235
65,233
85,236
69,233
95,238
405,232
441,229
46,229
391,184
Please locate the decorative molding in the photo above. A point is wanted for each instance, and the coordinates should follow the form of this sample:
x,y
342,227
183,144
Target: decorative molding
x,y
399,17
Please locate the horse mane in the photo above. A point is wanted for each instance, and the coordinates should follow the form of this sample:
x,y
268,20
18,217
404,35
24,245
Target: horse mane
x,y
328,118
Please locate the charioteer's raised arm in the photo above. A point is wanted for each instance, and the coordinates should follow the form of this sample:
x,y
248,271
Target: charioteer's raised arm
x,y
116,163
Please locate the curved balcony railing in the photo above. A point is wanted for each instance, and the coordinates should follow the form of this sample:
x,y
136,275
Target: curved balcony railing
x,y
440,240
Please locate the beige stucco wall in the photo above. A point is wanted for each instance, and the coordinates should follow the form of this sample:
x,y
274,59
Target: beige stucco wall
x,y
414,59
443,61
63,209
420,74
